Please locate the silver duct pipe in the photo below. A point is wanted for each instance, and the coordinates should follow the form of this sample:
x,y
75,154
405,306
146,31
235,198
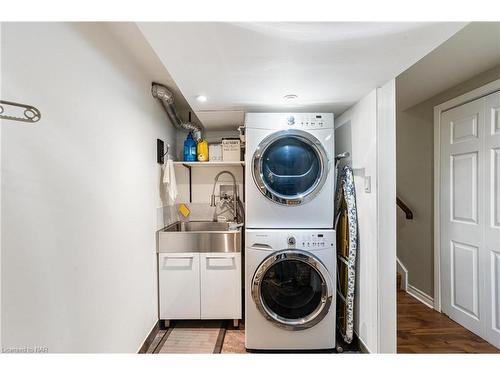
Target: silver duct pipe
x,y
165,96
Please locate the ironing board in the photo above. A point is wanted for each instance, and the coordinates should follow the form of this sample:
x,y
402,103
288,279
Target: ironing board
x,y
346,225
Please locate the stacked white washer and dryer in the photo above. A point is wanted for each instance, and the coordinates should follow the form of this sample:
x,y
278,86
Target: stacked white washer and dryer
x,y
290,260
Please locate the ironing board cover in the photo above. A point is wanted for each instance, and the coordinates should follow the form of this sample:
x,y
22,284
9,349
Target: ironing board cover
x,y
346,225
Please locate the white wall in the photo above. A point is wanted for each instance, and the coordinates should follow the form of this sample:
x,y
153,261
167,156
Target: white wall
x,y
361,121
80,191
357,131
1,192
386,216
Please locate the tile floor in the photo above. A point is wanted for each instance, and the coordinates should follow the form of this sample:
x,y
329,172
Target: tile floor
x,y
234,340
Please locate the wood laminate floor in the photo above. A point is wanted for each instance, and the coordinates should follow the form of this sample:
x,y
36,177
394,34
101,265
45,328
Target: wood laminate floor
x,y
424,330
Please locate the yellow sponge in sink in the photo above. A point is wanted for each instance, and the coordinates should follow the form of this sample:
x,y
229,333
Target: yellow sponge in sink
x,y
184,211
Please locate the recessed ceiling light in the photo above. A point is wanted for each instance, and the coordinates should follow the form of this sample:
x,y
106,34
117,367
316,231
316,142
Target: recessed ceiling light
x,y
290,97
201,98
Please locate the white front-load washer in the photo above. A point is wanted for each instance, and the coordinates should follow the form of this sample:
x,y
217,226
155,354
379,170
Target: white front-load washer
x,y
290,289
289,174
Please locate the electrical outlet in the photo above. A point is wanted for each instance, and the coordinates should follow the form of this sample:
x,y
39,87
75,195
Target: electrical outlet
x,y
368,184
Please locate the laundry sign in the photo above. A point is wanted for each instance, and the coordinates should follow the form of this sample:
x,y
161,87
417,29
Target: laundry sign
x,y
231,149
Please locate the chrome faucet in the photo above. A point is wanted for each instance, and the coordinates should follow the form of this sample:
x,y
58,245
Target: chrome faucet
x,y
235,193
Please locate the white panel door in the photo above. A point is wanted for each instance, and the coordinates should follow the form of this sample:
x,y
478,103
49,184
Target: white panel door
x,y
492,218
470,216
462,189
221,286
179,279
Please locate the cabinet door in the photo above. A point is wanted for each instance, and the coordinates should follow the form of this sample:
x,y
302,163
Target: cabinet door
x,y
221,286
179,276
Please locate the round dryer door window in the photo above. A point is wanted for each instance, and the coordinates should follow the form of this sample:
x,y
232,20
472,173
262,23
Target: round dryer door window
x,y
292,289
290,167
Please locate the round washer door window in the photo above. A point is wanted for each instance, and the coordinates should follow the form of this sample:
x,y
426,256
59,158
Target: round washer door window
x,y
290,167
292,289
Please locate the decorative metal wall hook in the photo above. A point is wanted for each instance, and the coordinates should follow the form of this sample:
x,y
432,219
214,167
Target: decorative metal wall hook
x,y
30,113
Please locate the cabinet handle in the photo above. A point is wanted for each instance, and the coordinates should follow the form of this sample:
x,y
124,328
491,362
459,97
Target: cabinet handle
x,y
179,257
221,256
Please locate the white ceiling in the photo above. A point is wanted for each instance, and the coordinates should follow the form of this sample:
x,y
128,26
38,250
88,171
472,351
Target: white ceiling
x,y
473,50
251,66
128,35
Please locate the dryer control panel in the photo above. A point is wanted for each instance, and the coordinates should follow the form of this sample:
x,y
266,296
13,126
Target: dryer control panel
x,y
303,121
307,121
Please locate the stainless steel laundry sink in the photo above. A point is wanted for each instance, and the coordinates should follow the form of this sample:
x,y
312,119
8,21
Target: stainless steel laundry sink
x,y
197,226
199,236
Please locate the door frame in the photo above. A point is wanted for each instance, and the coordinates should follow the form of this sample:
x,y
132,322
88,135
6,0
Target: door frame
x,y
480,92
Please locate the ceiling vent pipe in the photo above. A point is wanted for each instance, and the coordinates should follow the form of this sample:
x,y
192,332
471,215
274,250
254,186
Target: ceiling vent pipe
x,y
165,96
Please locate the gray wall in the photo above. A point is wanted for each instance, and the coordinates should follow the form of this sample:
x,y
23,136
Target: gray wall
x,y
415,182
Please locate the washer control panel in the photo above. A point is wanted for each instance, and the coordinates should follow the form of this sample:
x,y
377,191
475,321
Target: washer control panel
x,y
299,239
310,241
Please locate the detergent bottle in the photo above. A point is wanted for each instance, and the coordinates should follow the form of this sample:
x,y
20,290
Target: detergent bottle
x,y
202,150
189,148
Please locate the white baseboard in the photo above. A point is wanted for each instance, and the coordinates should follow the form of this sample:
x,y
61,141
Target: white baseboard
x,y
403,271
362,347
149,338
421,296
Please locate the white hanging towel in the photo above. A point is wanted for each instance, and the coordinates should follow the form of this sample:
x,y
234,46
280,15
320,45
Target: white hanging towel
x,y
169,179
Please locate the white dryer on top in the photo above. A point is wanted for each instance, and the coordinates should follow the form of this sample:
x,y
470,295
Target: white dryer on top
x,y
289,170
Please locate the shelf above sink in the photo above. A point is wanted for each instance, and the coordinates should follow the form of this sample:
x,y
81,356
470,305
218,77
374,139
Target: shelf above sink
x,y
206,164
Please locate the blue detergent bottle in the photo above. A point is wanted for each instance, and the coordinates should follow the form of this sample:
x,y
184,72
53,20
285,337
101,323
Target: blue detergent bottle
x,y
189,148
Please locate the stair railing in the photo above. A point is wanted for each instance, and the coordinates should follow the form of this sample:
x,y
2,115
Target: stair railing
x,y
408,212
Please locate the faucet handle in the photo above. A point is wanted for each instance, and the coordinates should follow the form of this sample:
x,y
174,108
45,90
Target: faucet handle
x,y
212,201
